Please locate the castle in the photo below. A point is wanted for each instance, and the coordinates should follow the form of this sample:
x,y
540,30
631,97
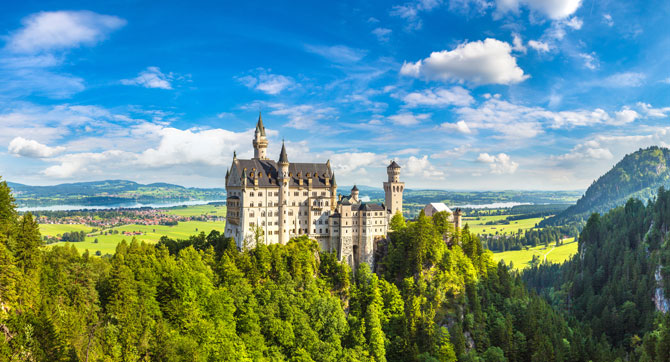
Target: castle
x,y
274,201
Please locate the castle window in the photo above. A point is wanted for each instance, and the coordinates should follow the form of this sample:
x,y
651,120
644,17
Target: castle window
x,y
263,214
260,204
260,193
296,193
263,223
323,193
313,193
251,193
251,214
320,231
290,213
314,231
251,204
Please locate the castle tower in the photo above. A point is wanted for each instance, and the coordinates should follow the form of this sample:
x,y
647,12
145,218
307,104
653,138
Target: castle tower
x,y
260,141
393,189
333,193
354,193
283,179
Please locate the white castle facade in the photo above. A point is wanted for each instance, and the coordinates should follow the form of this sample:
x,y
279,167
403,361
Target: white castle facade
x,y
274,201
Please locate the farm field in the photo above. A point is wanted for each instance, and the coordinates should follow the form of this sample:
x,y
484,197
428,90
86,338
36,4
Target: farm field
x,y
149,233
521,258
479,227
197,210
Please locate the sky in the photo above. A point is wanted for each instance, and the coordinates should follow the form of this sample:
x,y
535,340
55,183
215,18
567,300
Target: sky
x,y
463,94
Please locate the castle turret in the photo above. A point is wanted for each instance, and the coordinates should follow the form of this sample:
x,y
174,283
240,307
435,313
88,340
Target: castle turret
x,y
393,189
354,193
283,179
333,193
260,141
458,214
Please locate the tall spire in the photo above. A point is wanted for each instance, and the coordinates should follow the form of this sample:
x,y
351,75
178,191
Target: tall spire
x,y
260,141
283,158
259,125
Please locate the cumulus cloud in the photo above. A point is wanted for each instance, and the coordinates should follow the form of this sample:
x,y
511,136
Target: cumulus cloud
x,y
499,164
553,9
408,119
650,111
56,30
347,163
382,34
591,149
539,46
439,97
452,153
152,77
20,146
421,167
459,126
479,62
626,115
266,82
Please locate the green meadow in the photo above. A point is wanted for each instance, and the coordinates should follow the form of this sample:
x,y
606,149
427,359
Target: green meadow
x,y
197,210
477,225
555,254
149,233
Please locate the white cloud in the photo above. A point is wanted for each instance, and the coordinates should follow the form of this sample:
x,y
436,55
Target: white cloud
x,y
650,111
410,12
47,31
452,153
518,43
20,146
553,9
348,163
337,53
514,121
266,82
574,23
539,46
590,60
607,19
152,77
439,97
421,167
408,119
459,126
588,150
302,116
626,115
625,79
499,164
480,62
382,34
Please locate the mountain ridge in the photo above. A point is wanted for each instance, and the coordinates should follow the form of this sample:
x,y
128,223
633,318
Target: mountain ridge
x,y
637,175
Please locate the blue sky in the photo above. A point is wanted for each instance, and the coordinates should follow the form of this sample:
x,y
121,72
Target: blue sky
x,y
464,94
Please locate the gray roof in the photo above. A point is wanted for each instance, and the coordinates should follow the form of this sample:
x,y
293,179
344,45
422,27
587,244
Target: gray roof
x,y
318,172
354,188
394,165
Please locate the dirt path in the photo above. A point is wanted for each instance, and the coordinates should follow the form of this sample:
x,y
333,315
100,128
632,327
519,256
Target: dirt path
x,y
545,255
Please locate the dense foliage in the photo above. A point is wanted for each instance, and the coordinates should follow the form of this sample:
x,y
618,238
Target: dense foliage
x,y
618,282
638,175
529,238
202,299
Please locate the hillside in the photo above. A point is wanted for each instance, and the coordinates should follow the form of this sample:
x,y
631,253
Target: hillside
x,y
638,175
108,192
620,279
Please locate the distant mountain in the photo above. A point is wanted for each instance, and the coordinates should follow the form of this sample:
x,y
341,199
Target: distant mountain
x,y
637,175
108,192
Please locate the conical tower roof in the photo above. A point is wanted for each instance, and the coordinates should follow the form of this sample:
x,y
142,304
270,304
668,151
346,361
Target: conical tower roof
x,y
283,158
259,125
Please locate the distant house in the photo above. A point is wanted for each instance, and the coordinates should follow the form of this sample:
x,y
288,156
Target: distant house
x,y
454,216
435,207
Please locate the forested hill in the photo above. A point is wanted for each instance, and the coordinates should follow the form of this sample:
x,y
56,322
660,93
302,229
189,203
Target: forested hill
x,y
202,299
619,282
108,192
637,175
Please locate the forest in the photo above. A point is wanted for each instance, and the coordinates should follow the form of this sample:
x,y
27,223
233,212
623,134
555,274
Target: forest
x,y
202,299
